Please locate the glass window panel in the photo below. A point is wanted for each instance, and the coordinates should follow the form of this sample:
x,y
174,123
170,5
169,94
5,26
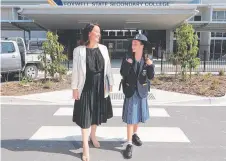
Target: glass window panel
x,y
214,16
218,46
224,34
198,33
174,45
127,33
212,46
220,15
35,45
213,34
111,33
119,33
197,18
224,47
125,44
218,34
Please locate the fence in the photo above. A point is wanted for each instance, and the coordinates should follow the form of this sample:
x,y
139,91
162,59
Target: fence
x,y
205,66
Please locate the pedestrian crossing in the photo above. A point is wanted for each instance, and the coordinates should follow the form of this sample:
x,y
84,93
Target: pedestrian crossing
x,y
111,133
117,112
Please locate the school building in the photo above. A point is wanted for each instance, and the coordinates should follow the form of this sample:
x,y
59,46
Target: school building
x,y
120,20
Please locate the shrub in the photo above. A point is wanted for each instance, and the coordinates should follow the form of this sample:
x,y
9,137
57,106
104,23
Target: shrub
x,y
221,73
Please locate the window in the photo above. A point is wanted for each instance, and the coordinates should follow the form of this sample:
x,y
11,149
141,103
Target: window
x,y
7,47
174,45
224,34
198,34
224,47
111,33
119,44
119,33
197,18
219,34
35,45
218,46
212,34
219,16
214,16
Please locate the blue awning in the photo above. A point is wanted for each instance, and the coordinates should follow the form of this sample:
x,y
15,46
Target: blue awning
x,y
26,25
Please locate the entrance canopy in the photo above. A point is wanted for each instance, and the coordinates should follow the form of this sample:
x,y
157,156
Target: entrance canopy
x,y
75,17
211,26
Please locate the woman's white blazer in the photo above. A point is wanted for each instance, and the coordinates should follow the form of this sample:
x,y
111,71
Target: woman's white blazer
x,y
79,69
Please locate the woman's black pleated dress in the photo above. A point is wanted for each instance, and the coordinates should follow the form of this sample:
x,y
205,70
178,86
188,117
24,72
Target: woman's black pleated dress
x,y
93,108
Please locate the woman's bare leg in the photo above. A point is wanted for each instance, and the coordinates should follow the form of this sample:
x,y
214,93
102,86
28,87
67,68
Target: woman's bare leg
x,y
85,139
93,136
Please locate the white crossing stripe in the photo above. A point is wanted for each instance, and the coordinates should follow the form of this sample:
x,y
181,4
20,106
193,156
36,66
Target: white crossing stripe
x,y
147,134
154,112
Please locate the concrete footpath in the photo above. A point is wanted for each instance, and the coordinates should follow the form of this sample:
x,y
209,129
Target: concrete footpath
x,y
156,97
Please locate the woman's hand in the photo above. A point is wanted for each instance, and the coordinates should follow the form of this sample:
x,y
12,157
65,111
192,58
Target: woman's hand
x,y
75,94
110,89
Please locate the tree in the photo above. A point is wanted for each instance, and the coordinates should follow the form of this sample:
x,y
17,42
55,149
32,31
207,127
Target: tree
x,y
175,59
55,50
187,48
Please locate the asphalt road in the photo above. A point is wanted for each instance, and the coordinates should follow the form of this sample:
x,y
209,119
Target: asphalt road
x,y
46,133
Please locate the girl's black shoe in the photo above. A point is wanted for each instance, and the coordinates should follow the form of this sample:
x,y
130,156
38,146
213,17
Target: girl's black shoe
x,y
128,151
136,140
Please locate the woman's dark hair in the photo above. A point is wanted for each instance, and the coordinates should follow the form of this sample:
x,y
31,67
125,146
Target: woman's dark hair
x,y
86,30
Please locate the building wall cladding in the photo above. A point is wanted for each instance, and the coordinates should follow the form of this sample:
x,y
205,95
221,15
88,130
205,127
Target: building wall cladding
x,y
7,13
213,1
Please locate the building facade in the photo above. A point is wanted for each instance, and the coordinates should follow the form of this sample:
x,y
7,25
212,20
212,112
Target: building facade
x,y
120,21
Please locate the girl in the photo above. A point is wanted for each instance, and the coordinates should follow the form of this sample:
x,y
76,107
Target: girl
x,y
137,71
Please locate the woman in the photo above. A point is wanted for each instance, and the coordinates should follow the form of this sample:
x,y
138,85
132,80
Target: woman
x,y
92,81
137,70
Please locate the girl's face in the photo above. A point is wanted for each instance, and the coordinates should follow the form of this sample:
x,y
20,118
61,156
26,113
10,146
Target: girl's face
x,y
95,34
137,46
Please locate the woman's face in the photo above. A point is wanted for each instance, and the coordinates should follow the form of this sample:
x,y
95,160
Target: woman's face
x,y
95,34
136,46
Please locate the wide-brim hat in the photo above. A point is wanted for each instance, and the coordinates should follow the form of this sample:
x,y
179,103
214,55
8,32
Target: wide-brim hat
x,y
141,38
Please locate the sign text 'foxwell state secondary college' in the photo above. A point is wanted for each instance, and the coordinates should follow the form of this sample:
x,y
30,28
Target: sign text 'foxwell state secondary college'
x,y
114,4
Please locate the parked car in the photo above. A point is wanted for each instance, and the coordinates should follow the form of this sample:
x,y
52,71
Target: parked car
x,y
16,58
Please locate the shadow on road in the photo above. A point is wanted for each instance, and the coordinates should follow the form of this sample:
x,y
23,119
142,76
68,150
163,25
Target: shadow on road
x,y
58,147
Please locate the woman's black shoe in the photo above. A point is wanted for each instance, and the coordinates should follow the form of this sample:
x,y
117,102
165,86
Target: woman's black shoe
x,y
128,151
136,140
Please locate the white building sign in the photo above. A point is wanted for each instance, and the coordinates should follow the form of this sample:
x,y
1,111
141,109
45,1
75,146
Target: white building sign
x,y
114,4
